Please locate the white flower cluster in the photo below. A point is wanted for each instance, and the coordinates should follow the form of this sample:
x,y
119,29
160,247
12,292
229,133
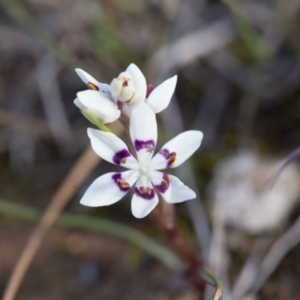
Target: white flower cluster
x,y
128,95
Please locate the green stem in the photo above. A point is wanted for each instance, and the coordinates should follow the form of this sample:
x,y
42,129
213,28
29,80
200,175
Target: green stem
x,y
161,253
212,280
92,118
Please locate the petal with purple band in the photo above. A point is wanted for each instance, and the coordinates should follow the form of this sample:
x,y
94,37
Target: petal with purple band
x,y
146,193
120,180
117,178
164,184
144,198
121,156
106,191
160,97
143,131
139,145
179,191
177,150
112,149
161,182
144,188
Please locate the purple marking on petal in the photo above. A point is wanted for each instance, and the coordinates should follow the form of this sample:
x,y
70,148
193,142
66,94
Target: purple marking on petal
x,y
161,188
164,185
169,156
145,195
120,155
149,144
121,183
116,176
164,152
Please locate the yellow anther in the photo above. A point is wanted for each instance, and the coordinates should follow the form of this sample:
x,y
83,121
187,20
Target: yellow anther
x,y
142,190
167,177
171,159
122,183
92,86
123,160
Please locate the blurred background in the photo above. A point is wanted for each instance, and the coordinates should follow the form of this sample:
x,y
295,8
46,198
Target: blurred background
x,y
238,67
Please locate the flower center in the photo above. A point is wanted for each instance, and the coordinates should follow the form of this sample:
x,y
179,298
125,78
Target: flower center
x,y
143,170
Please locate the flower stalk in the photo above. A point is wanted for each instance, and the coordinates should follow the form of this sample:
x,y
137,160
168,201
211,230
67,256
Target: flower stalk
x,y
178,243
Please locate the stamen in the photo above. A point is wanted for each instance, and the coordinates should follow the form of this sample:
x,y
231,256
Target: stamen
x,y
92,86
164,184
171,159
122,183
167,177
142,190
123,160
171,155
146,193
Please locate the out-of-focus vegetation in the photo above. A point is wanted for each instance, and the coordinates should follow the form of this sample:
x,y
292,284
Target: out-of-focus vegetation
x,y
238,66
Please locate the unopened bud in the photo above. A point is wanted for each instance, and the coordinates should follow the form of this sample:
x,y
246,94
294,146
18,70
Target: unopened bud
x,y
123,89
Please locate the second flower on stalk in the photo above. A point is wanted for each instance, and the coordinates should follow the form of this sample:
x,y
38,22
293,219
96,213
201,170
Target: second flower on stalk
x,y
129,89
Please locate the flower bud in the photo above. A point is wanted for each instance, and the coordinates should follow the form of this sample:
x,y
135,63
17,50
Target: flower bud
x,y
97,104
123,89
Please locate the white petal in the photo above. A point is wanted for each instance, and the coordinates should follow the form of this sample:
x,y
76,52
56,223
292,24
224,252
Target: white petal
x,y
127,109
86,78
179,191
139,79
160,97
143,131
78,103
181,147
143,203
112,149
161,182
100,105
105,190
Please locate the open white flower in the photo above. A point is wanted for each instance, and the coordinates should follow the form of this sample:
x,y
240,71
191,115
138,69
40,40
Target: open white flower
x,y
144,171
129,87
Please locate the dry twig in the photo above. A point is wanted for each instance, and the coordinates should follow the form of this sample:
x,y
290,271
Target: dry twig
x,y
82,168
